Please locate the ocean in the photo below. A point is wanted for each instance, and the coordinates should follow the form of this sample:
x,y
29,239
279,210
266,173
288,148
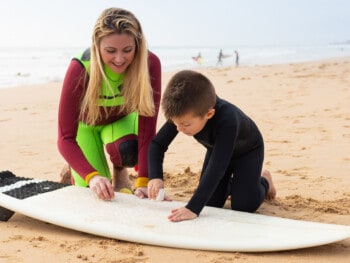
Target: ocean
x,y
29,66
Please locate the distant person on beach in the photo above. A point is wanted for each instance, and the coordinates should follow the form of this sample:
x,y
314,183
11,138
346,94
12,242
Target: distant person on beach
x,y
220,57
235,148
236,58
109,104
198,58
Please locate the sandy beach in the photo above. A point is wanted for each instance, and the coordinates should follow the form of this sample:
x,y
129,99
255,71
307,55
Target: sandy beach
x,y
303,113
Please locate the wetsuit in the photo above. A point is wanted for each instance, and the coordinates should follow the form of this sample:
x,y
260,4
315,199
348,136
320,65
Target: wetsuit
x,y
122,135
233,161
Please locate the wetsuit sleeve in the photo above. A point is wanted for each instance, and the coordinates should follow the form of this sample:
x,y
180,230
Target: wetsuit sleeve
x,y
216,163
159,145
147,125
68,119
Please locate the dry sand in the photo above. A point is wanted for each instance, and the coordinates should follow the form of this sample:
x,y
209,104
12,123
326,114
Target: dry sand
x,y
303,112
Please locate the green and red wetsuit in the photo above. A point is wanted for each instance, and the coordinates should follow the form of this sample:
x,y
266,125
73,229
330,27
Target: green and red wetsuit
x,y
84,146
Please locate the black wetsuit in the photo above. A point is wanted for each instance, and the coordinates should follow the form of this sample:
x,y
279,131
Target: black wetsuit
x,y
233,161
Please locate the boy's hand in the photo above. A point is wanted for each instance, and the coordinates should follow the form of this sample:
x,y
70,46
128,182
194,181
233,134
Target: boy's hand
x,y
181,214
153,188
102,187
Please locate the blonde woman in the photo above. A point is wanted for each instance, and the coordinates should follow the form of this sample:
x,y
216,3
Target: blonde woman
x,y
109,104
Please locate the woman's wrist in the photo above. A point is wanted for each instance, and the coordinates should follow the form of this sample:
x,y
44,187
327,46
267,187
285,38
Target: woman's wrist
x,y
141,182
89,176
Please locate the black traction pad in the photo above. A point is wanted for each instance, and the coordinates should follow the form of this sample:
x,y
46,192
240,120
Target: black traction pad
x,y
7,178
21,188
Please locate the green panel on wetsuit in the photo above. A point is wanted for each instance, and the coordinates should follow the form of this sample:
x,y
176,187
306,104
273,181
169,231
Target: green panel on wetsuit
x,y
111,94
91,140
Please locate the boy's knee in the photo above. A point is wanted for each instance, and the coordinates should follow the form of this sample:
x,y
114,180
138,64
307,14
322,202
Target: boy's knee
x,y
245,204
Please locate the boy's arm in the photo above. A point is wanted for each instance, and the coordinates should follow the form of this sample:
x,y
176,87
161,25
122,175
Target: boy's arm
x,y
158,147
206,160
217,162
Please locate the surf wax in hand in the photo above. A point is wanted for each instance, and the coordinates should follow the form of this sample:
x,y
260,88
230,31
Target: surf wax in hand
x,y
160,195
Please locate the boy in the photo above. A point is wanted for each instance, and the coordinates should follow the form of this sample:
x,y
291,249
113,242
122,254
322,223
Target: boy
x,y
235,148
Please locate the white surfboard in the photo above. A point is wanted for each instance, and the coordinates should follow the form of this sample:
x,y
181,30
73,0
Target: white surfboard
x,y
144,221
226,56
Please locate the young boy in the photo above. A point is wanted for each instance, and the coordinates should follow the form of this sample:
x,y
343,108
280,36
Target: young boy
x,y
235,148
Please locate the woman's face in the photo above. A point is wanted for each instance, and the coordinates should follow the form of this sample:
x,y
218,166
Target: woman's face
x,y
117,51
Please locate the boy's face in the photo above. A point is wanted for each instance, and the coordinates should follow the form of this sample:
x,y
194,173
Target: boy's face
x,y
190,124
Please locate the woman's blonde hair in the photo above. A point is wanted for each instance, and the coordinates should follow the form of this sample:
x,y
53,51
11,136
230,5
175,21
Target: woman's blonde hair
x,y
137,90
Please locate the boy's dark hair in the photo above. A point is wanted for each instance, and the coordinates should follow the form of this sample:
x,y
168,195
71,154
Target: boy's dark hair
x,y
188,91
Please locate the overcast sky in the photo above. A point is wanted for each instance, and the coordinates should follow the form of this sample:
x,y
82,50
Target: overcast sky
x,y
61,23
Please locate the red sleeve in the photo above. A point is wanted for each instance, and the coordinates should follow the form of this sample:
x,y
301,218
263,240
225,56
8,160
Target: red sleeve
x,y
68,119
147,125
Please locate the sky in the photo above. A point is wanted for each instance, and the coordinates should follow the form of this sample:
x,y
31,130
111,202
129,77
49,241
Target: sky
x,y
69,23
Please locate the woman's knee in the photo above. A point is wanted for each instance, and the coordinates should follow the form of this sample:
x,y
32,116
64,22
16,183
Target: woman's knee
x,y
124,151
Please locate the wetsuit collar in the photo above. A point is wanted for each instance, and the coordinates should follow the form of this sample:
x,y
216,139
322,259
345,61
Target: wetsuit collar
x,y
111,75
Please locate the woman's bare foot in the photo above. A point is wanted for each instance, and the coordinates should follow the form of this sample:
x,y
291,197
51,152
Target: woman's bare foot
x,y
121,179
271,194
66,175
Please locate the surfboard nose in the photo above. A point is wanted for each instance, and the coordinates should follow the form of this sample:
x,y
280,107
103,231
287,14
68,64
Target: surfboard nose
x,y
5,214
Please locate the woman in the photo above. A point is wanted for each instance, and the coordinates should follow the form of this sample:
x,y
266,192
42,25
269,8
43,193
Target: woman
x,y
109,104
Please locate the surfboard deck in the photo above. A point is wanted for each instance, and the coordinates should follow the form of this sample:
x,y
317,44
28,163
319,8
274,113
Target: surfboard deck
x,y
145,221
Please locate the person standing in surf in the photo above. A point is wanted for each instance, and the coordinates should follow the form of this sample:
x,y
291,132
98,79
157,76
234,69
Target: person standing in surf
x,y
220,56
236,58
235,148
109,104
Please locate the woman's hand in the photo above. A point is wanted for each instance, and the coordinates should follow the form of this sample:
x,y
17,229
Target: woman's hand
x,y
141,192
102,187
181,214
